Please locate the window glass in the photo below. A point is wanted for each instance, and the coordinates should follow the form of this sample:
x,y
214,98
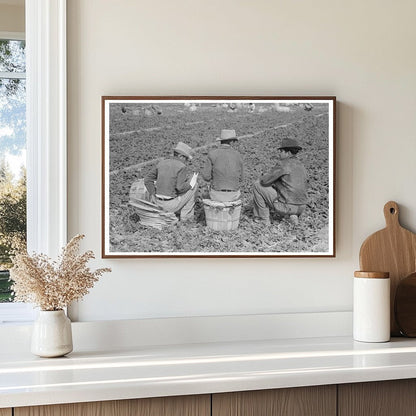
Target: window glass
x,y
12,156
12,56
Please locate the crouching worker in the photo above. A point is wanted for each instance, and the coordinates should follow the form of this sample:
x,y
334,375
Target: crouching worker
x,y
171,185
224,169
284,188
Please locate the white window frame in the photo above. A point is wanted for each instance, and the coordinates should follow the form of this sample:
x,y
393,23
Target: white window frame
x,y
46,134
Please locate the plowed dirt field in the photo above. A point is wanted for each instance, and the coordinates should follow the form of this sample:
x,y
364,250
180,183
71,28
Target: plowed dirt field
x,y
137,141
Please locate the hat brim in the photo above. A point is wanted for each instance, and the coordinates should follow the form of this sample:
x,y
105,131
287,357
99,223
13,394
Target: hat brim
x,y
218,139
183,154
291,147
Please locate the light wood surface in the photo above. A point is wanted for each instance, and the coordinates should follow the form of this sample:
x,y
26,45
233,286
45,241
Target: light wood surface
x,y
405,306
372,275
392,250
160,406
5,412
384,398
317,401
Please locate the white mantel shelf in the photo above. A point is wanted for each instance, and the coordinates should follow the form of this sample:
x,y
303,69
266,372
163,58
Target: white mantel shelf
x,y
167,370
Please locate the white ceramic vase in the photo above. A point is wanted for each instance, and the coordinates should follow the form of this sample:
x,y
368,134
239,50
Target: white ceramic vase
x,y
52,334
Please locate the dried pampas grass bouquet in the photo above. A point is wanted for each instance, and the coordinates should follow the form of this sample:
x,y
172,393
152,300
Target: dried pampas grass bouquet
x,y
53,285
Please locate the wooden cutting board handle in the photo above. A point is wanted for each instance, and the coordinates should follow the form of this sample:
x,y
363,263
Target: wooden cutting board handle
x,y
391,214
393,250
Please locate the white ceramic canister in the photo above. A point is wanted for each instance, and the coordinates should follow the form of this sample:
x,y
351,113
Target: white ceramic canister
x,y
371,309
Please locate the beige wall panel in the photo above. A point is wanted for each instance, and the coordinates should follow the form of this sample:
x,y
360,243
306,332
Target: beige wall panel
x,y
5,412
12,18
317,401
164,406
384,398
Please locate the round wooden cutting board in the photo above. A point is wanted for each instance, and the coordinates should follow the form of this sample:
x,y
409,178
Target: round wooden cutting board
x,y
392,250
405,306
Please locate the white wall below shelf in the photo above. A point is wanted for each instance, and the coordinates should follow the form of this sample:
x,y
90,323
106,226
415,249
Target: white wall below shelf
x,y
187,330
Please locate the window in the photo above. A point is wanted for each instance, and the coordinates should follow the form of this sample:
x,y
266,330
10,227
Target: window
x,y
12,165
46,135
12,153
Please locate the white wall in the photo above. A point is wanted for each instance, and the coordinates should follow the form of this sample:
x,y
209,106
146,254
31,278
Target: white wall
x,y
363,52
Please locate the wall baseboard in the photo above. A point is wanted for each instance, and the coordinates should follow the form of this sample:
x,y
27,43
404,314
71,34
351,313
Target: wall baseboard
x,y
127,334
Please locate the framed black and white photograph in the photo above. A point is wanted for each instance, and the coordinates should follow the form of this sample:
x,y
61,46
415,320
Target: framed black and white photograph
x,y
218,176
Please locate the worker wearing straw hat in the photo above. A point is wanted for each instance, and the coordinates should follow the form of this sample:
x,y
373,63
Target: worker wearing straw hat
x,y
170,184
284,188
224,169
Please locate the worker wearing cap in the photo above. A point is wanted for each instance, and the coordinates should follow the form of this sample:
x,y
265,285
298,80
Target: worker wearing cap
x,y
224,170
284,188
170,184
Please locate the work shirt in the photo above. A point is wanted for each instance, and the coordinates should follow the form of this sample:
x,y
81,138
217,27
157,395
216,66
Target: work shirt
x,y
289,179
169,178
224,168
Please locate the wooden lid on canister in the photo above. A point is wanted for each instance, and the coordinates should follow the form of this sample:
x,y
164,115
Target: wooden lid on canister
x,y
372,275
